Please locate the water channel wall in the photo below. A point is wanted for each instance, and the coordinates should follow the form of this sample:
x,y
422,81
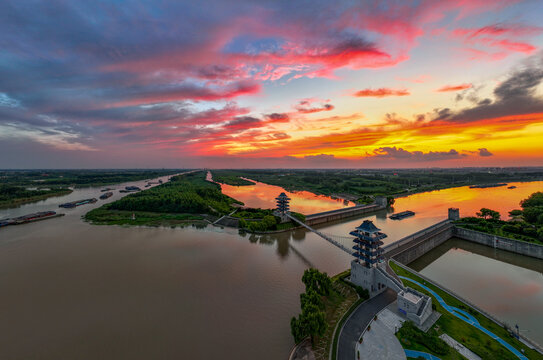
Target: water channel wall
x,y
498,242
415,245
333,215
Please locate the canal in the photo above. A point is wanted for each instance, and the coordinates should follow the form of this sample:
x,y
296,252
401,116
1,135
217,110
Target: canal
x,y
74,290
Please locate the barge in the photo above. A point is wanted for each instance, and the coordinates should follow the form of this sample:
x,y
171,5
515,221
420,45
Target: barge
x,y
106,195
484,186
73,204
42,215
130,189
401,215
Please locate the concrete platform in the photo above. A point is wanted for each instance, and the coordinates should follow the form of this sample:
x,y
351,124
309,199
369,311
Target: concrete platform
x,y
380,342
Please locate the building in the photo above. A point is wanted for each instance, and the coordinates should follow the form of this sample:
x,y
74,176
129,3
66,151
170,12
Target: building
x,y
283,207
369,270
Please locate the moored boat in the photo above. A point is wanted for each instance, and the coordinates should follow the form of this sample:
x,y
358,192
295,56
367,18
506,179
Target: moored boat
x,y
402,215
73,204
106,195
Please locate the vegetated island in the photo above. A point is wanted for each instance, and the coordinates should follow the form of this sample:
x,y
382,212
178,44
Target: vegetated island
x,y
524,225
13,196
187,199
362,185
26,186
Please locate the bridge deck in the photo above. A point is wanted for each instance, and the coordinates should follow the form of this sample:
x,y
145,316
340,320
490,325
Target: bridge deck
x,y
325,237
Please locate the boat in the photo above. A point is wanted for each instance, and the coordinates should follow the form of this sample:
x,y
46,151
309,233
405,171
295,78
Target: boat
x,y
42,215
132,188
402,215
73,204
106,195
107,189
32,217
484,186
512,187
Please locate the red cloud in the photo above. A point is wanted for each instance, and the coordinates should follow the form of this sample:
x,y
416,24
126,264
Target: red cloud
x,y
448,88
190,92
381,92
502,36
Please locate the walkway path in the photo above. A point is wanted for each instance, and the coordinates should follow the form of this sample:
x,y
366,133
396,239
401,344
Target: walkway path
x,y
464,351
357,322
468,318
380,343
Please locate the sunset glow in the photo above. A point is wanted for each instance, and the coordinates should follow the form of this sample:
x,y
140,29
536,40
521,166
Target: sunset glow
x,y
271,84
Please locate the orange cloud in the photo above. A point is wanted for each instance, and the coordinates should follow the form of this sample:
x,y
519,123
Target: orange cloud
x,y
448,88
381,92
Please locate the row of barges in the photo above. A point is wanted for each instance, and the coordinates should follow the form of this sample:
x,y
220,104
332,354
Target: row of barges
x,y
73,204
42,215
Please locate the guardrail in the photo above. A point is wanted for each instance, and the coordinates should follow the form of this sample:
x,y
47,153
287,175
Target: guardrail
x,y
339,211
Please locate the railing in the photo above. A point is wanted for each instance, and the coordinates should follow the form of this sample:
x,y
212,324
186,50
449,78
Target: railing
x,y
330,240
339,211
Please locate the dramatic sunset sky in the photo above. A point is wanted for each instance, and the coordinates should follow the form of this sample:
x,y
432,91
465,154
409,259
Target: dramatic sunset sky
x,y
251,83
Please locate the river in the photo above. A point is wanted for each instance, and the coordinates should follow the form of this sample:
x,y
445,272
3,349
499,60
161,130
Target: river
x,y
75,290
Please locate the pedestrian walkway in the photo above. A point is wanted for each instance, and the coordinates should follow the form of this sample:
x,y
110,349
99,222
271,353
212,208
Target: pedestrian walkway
x,y
467,353
468,318
418,354
380,342
357,322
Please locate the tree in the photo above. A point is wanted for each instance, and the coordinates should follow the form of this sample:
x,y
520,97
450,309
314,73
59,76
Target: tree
x,y
320,282
536,199
488,214
311,322
311,297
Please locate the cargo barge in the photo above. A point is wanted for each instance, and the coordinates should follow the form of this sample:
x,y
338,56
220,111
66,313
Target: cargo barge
x,y
106,195
484,186
73,204
401,215
42,215
130,189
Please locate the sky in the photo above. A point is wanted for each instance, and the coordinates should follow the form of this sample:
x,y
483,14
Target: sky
x,y
271,84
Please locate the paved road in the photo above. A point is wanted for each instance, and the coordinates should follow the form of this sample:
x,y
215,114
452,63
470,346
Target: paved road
x,y
353,327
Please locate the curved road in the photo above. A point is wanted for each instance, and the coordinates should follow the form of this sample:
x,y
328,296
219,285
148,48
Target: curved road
x,y
357,322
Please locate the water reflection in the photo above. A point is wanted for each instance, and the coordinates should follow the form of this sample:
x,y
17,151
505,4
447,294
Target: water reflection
x,y
263,196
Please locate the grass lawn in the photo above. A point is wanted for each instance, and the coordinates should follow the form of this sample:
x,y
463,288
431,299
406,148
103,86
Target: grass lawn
x,y
474,339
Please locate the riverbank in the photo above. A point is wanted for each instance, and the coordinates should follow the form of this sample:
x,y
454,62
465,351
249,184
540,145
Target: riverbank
x,y
27,197
357,185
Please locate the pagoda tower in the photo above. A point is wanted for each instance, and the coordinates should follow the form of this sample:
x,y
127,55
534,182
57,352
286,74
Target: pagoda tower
x,y
368,243
283,207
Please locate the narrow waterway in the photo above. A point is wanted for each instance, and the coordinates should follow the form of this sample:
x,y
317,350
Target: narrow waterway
x,y
75,290
507,285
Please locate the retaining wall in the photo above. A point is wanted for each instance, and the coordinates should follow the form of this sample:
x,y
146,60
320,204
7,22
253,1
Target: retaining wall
x,y
498,242
414,246
339,214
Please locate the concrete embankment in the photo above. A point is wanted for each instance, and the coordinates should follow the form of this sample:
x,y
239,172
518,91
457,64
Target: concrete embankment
x,y
333,215
415,245
498,242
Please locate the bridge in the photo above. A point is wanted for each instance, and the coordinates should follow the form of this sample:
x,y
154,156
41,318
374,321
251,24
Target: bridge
x,y
325,237
387,277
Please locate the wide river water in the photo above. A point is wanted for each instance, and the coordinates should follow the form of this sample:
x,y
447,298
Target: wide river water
x,y
79,291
